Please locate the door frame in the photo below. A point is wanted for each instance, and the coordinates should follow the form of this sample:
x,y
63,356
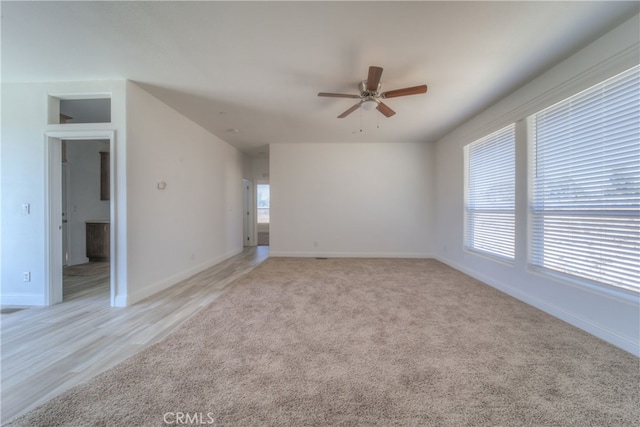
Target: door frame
x,y
53,208
248,214
65,208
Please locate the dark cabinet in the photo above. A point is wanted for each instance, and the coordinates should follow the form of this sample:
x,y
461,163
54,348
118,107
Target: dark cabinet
x,y
104,175
98,241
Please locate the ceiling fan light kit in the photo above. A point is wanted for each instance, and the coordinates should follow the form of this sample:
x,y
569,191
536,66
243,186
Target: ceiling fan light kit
x,y
371,94
369,104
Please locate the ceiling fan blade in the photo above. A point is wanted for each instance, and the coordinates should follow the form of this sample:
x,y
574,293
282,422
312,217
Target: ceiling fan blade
x,y
415,90
349,111
384,109
338,95
373,79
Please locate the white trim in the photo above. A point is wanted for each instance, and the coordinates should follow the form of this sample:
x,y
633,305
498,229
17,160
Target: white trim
x,y
120,301
53,225
601,289
304,254
76,127
254,209
23,299
81,134
581,322
82,95
155,287
510,263
52,138
560,244
114,222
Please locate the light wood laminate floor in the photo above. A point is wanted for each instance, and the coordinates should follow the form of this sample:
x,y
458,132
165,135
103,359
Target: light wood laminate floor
x,y
47,350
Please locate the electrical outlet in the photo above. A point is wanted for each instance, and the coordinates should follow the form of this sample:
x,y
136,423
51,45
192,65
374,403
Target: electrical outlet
x,y
26,276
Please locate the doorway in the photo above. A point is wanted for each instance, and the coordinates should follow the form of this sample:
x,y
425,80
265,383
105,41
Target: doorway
x,y
263,202
85,219
65,243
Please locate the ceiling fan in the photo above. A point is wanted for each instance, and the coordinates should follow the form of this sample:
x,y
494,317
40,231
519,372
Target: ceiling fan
x,y
371,96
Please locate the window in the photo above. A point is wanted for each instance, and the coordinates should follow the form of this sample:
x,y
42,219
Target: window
x,y
263,203
585,208
490,195
80,109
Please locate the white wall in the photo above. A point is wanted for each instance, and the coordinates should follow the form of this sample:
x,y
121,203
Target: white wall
x,y
83,194
353,199
196,221
161,237
255,169
24,177
613,316
260,170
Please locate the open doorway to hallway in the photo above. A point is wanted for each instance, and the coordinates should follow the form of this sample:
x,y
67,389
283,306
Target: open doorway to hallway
x,y
86,224
263,202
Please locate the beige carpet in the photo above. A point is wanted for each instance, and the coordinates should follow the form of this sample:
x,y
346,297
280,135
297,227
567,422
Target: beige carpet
x,y
362,342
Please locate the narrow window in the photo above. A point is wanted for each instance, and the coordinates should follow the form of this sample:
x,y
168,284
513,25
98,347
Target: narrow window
x,y
490,194
263,203
585,207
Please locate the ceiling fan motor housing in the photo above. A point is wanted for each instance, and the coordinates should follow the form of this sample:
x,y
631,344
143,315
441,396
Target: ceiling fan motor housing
x,y
365,94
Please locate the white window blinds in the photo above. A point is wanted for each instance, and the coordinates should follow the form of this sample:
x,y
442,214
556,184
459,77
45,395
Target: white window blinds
x,y
490,206
586,184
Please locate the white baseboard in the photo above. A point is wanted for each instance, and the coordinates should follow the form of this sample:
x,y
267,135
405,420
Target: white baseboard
x,y
292,254
23,299
121,301
152,288
574,319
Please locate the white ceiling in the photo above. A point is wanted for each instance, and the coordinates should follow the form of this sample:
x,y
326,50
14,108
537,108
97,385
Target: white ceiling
x,y
249,72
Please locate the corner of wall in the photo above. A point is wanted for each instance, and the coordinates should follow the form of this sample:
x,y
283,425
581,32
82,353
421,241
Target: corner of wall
x,y
557,310
614,320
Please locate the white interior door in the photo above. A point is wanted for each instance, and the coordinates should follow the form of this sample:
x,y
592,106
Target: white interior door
x,y
65,216
246,212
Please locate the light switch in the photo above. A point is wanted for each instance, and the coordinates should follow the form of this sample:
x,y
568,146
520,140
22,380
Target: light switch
x,y
26,208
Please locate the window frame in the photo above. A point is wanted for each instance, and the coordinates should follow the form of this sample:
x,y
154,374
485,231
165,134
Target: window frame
x,y
535,254
258,208
507,253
